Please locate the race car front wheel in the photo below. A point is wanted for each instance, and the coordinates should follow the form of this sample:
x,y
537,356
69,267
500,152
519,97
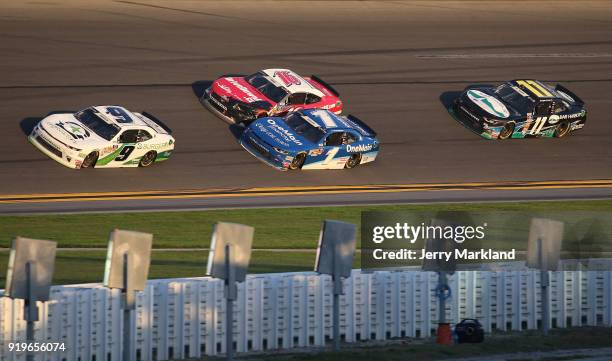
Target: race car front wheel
x,y
90,160
147,159
562,129
298,161
507,131
353,161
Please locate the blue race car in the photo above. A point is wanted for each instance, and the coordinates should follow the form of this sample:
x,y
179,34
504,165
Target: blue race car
x,y
311,139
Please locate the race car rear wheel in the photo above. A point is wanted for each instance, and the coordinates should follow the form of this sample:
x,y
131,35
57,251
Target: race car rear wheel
x,y
507,131
562,129
298,161
147,159
353,161
90,160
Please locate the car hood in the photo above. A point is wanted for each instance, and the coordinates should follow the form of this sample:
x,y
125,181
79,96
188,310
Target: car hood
x,y
275,132
240,89
488,103
68,130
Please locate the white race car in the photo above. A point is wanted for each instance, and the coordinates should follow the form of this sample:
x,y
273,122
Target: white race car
x,y
103,136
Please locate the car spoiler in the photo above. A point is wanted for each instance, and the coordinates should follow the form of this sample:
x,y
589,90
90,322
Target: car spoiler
x,y
329,87
156,122
365,129
570,93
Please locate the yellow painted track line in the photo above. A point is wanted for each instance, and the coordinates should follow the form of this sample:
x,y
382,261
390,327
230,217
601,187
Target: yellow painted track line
x,y
301,190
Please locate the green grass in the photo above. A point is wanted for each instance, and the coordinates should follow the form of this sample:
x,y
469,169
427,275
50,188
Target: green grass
x,y
289,228
275,227
416,350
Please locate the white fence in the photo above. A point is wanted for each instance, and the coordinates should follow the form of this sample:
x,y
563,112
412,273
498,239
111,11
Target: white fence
x,y
181,318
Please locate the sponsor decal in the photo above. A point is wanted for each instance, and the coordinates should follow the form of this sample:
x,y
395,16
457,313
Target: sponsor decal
x,y
359,148
316,152
225,88
526,127
490,104
576,126
75,130
527,124
570,116
109,149
287,77
151,146
285,133
250,96
469,113
554,119
272,135
283,109
218,103
540,122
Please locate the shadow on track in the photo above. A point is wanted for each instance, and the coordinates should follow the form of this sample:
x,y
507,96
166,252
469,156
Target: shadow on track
x,y
28,124
447,98
236,130
198,87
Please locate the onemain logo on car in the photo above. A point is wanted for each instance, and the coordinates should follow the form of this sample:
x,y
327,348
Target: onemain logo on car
x,y
359,148
284,132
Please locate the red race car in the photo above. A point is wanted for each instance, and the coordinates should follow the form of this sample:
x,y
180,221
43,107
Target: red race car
x,y
270,92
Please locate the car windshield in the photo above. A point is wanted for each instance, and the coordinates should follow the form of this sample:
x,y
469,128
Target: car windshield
x,y
510,96
100,127
304,128
271,91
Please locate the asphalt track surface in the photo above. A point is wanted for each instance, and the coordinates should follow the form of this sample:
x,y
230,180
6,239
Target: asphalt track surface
x,y
395,63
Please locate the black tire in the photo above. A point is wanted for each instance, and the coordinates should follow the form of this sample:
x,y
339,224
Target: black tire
x,y
506,133
90,160
147,159
298,161
353,161
562,129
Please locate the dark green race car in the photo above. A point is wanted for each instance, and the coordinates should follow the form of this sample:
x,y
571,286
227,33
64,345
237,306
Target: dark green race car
x,y
519,109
